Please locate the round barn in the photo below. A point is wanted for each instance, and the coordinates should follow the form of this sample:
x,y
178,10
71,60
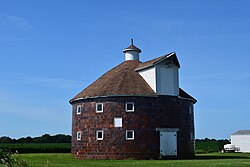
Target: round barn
x,y
136,110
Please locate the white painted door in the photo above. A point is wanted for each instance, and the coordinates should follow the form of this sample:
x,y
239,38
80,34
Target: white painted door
x,y
168,143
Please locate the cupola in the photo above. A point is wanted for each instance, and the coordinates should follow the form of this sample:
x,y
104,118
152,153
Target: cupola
x,y
132,52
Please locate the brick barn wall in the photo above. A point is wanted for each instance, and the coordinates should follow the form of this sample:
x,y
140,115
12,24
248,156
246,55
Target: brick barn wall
x,y
150,113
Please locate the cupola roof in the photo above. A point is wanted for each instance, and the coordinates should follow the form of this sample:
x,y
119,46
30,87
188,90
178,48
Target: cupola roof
x,y
132,47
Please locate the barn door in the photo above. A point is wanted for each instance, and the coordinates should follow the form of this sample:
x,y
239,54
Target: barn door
x,y
168,143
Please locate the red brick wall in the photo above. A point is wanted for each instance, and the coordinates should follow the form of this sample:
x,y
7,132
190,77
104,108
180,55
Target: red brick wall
x,y
150,113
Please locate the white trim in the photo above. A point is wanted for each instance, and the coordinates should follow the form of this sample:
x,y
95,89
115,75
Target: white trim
x,y
133,135
118,122
133,107
97,138
77,107
96,107
79,135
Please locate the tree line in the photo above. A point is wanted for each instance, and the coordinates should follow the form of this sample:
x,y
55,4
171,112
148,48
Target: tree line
x,y
46,138
226,141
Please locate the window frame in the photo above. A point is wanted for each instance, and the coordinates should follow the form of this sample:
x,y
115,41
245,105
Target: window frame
x,y
133,107
78,106
133,135
97,138
96,107
77,135
118,120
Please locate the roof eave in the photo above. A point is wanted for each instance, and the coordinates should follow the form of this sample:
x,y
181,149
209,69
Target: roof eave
x,y
145,67
157,62
118,95
189,99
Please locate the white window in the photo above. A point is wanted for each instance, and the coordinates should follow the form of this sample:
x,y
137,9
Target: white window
x,y
99,135
130,107
78,110
79,135
99,107
117,122
130,135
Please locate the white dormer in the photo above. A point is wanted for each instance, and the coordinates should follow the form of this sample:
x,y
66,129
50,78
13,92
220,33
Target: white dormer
x,y
167,79
132,52
162,74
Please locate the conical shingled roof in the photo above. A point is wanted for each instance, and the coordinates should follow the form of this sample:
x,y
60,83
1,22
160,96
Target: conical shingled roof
x,y
124,79
121,80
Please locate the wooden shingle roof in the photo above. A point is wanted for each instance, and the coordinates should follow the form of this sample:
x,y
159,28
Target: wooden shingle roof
x,y
124,80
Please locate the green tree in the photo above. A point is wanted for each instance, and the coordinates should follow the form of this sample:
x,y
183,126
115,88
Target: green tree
x,y
5,139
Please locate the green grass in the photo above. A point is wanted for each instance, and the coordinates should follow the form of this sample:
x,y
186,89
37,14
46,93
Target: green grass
x,y
204,160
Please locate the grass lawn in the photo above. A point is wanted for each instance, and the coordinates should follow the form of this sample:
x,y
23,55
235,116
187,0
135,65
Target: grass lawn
x,y
206,160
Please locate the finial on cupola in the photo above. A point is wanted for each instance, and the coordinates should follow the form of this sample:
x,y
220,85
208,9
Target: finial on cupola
x,y
132,52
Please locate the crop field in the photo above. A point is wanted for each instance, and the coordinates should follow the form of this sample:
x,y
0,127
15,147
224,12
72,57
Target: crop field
x,y
202,160
37,147
209,146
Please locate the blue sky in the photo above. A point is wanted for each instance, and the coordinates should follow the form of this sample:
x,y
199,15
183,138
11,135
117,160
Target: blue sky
x,y
51,50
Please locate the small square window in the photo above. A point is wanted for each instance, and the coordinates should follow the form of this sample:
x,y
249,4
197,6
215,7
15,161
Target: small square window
x,y
78,110
79,135
130,107
130,135
99,107
117,122
99,135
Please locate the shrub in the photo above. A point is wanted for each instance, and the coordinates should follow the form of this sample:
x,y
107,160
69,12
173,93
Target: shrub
x,y
9,160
